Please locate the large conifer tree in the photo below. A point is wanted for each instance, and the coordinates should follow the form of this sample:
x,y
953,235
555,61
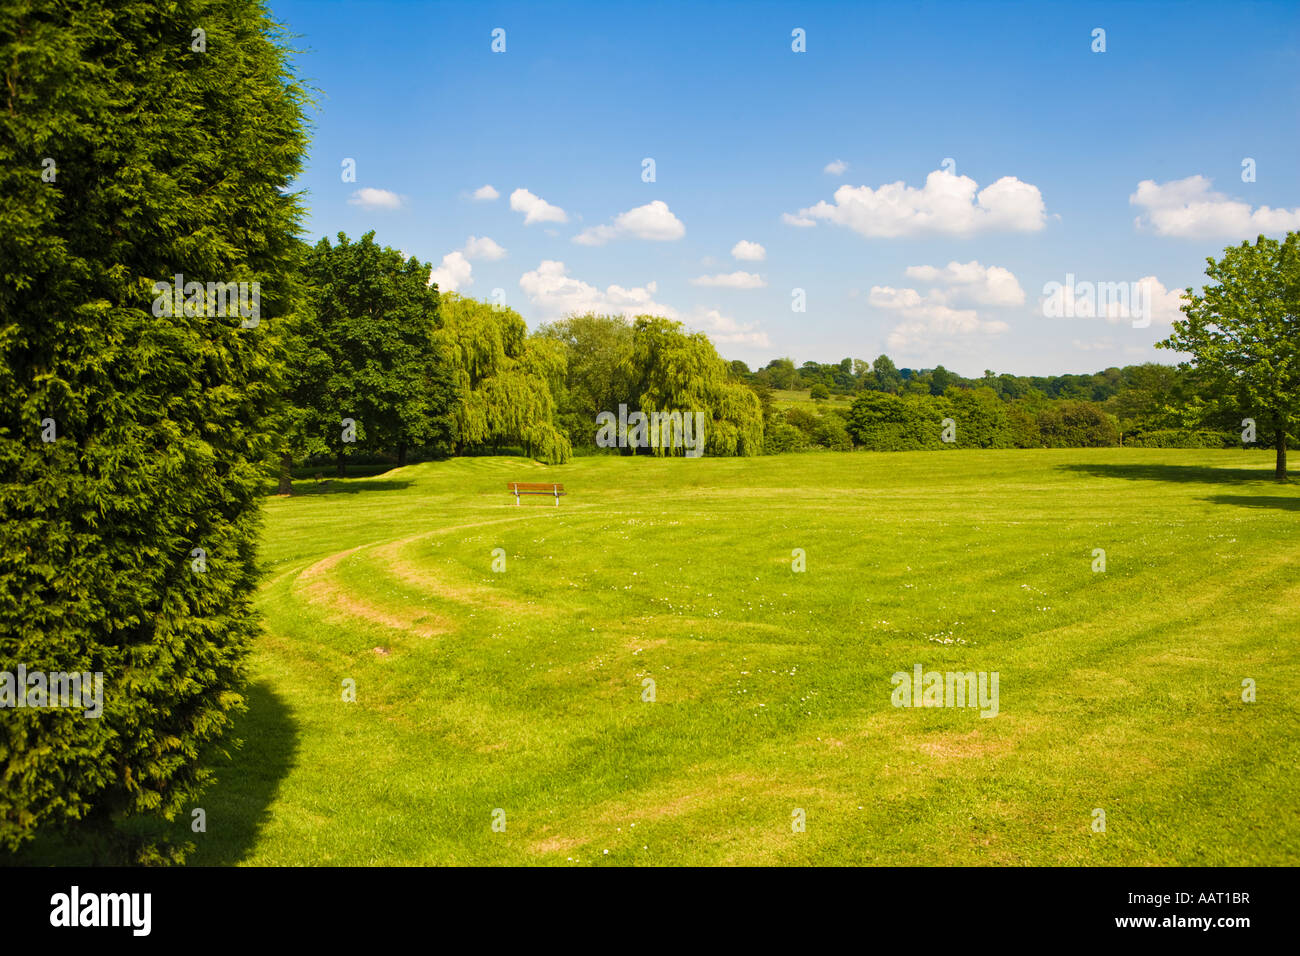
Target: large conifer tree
x,y
138,142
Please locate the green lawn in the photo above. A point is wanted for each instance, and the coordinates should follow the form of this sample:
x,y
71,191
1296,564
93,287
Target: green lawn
x,y
522,690
802,398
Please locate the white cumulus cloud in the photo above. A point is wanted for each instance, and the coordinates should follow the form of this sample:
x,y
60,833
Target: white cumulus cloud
x,y
372,198
945,314
456,272
485,248
555,293
535,208
927,319
724,330
731,280
1101,345
973,283
835,167
1145,300
1187,208
653,221
946,205
1166,304
486,192
748,251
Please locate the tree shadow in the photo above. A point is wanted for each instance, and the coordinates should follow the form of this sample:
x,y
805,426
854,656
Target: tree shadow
x,y
307,488
237,805
1257,501
1174,473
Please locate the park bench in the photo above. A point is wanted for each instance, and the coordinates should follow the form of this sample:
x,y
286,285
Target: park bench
x,y
518,488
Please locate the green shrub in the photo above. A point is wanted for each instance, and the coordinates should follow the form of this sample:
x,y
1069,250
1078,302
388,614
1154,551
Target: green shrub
x,y
879,421
781,437
805,420
1022,427
981,418
893,437
1184,438
1074,424
883,422
831,432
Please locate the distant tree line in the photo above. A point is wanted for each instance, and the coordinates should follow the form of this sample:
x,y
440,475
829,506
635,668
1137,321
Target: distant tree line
x,y
1148,405
382,367
1239,386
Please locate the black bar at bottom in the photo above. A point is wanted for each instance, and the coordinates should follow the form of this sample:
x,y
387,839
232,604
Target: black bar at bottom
x,y
916,908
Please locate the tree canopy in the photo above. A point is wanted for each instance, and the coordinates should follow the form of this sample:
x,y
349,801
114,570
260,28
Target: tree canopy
x,y
670,370
372,349
503,378
1243,333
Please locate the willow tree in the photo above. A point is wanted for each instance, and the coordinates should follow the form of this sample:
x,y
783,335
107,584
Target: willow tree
x,y
141,145
669,370
503,379
595,348
1243,334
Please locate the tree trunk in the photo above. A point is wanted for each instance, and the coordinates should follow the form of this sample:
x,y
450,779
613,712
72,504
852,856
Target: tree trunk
x,y
286,479
342,468
401,453
1280,472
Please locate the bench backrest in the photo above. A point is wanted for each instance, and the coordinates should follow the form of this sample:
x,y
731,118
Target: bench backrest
x,y
535,486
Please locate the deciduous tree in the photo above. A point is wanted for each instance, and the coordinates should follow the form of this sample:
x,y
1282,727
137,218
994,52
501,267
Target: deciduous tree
x,y
1243,333
375,319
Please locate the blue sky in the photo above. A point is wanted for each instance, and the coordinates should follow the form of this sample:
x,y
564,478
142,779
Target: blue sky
x,y
742,130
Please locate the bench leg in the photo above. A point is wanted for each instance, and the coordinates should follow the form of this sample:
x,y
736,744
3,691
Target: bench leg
x,y
516,499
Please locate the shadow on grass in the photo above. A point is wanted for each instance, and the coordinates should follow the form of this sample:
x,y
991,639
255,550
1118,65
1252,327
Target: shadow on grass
x,y
1175,473
307,488
1257,501
237,804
